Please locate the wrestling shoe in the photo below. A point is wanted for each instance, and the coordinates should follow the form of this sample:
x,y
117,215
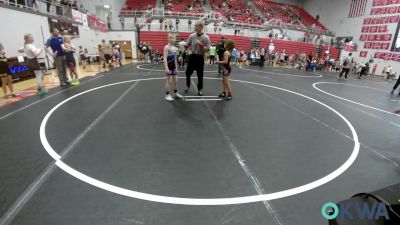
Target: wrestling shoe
x,y
169,98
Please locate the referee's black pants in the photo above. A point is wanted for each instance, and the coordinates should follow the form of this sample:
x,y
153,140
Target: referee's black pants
x,y
196,62
397,84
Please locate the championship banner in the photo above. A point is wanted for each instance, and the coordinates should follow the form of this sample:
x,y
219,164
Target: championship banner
x,y
383,29
384,10
350,47
363,37
381,20
385,46
365,29
378,55
76,16
85,22
384,2
396,57
92,22
394,19
363,54
368,45
387,56
374,29
102,26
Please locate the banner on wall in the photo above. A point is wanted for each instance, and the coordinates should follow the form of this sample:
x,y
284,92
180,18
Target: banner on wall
x,y
374,29
92,20
376,37
350,47
85,22
385,10
384,2
381,20
363,54
102,26
76,16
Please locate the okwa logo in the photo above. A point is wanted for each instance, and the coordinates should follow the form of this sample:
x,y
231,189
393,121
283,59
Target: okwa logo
x,y
355,210
17,69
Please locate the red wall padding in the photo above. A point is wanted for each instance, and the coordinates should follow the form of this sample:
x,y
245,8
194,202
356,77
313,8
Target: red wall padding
x,y
158,39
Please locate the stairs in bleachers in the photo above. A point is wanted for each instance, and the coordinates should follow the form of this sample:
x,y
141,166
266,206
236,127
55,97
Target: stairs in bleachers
x,y
158,39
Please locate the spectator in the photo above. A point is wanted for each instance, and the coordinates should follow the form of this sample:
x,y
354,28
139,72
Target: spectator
x,y
190,24
215,27
122,21
177,24
75,5
107,50
83,56
161,22
6,78
69,50
213,53
54,43
263,52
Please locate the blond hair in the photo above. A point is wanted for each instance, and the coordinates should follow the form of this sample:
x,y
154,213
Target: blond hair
x,y
26,36
66,37
199,22
171,35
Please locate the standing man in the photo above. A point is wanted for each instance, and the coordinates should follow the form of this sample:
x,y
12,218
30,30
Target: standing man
x,y
200,44
107,50
220,52
177,24
346,66
54,43
263,52
190,24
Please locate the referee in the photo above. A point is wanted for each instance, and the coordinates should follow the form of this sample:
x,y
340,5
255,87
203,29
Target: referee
x,y
200,44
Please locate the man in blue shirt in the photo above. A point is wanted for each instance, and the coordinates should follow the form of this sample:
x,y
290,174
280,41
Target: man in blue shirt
x,y
54,43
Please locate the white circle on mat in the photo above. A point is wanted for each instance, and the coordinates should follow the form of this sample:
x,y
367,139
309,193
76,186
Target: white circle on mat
x,y
283,74
351,101
198,201
140,67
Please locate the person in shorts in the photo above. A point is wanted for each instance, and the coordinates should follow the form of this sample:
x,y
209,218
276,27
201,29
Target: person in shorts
x,y
83,56
69,50
107,50
171,65
227,69
32,53
5,75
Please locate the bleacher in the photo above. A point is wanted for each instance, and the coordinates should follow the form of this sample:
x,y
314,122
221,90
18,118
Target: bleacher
x,y
158,39
287,13
139,5
236,11
193,6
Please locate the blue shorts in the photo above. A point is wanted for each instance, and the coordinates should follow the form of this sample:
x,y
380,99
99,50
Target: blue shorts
x,y
172,73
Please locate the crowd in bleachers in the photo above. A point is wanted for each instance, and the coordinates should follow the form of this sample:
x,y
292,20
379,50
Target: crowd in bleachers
x,y
236,11
139,5
193,6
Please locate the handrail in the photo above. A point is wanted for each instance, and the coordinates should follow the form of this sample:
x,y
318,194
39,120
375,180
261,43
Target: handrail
x,y
275,23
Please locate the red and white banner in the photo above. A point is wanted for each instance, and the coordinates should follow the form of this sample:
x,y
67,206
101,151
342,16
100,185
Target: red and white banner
x,y
384,10
387,56
102,26
363,54
357,8
376,45
374,29
350,47
76,16
376,37
382,20
384,2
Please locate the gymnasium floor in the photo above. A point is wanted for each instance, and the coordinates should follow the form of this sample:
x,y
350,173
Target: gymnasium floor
x,y
289,137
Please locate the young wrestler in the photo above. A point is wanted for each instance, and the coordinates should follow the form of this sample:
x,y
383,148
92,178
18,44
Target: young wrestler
x,y
170,63
32,53
69,51
229,46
